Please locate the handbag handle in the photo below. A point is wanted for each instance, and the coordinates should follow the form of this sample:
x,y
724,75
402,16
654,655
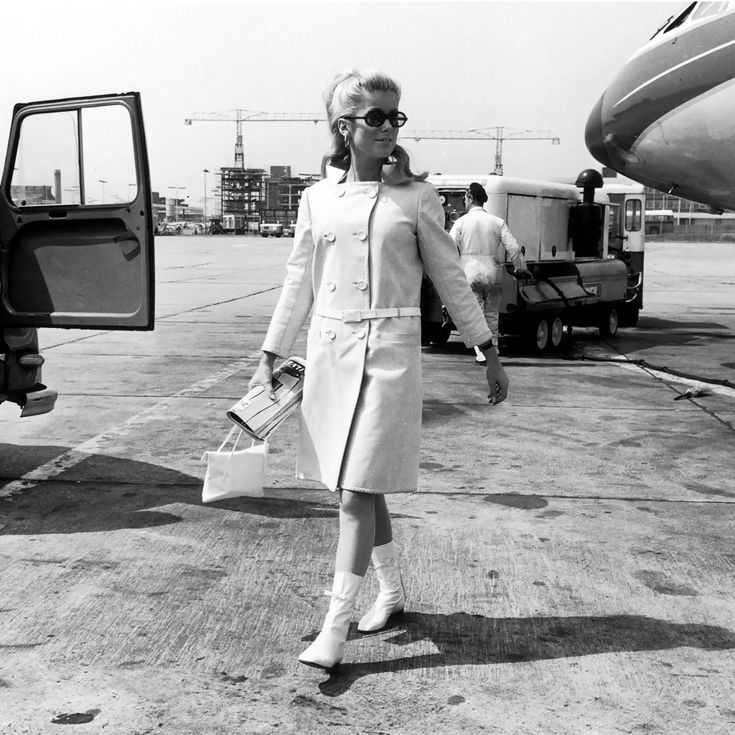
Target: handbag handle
x,y
229,436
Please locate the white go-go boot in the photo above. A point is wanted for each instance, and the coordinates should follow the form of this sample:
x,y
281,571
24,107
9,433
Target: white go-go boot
x,y
392,596
328,648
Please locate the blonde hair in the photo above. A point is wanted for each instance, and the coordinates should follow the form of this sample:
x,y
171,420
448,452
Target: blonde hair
x,y
342,98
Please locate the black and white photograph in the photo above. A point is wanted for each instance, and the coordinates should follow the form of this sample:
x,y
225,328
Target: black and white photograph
x,y
367,367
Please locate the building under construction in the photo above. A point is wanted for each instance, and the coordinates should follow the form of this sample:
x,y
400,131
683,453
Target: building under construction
x,y
242,195
251,197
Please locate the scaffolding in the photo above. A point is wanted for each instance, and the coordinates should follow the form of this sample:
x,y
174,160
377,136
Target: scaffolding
x,y
242,194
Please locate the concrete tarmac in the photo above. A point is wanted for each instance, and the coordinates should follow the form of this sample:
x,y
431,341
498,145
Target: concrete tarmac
x,y
569,559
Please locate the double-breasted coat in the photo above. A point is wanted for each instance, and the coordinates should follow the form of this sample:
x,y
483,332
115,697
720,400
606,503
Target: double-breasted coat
x,y
361,247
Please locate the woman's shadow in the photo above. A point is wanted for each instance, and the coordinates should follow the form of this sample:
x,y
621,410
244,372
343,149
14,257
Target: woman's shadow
x,y
468,640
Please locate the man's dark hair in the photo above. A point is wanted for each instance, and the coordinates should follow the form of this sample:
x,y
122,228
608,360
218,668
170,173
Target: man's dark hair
x,y
478,193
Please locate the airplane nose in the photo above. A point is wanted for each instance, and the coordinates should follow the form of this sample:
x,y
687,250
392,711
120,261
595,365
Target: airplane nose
x,y
594,137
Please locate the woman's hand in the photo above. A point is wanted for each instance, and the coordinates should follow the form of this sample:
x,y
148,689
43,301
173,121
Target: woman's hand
x,y
497,380
263,375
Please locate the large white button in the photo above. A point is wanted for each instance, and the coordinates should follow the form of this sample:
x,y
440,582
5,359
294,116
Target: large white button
x,y
361,235
340,192
330,334
384,198
330,237
372,193
331,285
360,334
362,285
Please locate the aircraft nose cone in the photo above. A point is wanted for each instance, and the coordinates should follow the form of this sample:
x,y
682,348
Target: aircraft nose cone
x,y
594,136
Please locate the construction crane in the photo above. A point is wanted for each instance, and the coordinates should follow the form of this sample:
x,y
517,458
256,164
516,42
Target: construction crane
x,y
498,133
243,116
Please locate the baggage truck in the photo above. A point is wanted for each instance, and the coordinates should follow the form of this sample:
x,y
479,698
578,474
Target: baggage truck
x,y
583,244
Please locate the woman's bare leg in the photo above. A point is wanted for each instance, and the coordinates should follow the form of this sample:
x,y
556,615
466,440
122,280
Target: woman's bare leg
x,y
356,532
383,527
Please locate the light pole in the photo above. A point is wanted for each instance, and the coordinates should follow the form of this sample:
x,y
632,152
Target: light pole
x,y
205,171
103,182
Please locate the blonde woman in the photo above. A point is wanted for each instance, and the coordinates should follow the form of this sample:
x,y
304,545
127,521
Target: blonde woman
x,y
364,237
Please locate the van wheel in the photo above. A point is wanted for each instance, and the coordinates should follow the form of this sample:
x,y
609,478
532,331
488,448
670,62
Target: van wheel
x,y
539,335
556,332
609,323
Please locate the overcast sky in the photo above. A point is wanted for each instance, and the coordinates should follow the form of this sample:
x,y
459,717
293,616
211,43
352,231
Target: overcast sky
x,y
462,65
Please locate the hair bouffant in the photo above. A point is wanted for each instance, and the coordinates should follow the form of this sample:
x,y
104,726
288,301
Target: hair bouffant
x,y
342,98
478,193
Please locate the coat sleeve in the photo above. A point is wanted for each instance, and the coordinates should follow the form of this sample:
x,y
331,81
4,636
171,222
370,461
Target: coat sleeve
x,y
297,294
442,265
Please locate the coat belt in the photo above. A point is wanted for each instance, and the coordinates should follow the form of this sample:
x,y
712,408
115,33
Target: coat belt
x,y
357,315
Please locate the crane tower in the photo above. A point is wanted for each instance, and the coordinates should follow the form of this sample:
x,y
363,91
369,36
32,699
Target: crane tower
x,y
498,133
243,116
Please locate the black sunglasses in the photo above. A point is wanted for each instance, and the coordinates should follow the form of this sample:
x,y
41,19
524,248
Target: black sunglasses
x,y
375,118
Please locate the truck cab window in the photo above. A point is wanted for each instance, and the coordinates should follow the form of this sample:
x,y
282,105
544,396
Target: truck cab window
x,y
46,167
75,157
633,215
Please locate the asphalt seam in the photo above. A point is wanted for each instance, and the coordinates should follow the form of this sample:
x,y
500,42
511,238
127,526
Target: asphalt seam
x,y
157,412
98,333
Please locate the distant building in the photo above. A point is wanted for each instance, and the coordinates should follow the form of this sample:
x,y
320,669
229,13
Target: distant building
x,y
30,195
158,207
249,197
687,217
282,198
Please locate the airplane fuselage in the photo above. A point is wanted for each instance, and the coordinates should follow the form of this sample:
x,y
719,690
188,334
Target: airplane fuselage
x,y
667,120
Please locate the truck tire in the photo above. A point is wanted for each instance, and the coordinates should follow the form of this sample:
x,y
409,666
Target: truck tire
x,y
556,332
609,322
629,316
435,333
539,334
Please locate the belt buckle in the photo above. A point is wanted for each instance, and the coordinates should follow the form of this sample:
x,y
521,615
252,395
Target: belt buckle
x,y
352,315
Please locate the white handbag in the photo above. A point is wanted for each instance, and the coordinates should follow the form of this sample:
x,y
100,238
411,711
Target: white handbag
x,y
234,473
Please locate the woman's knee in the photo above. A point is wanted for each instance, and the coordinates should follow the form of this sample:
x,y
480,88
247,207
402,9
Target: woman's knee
x,y
357,505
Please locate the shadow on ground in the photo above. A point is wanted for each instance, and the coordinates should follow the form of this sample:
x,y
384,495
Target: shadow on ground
x,y
468,640
650,332
103,493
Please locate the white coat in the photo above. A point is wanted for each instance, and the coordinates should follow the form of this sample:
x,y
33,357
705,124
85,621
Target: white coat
x,y
360,246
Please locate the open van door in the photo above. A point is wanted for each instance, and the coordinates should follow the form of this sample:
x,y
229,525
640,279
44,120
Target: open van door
x,y
76,230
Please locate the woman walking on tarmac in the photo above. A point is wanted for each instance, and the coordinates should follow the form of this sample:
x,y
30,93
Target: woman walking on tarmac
x,y
363,239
